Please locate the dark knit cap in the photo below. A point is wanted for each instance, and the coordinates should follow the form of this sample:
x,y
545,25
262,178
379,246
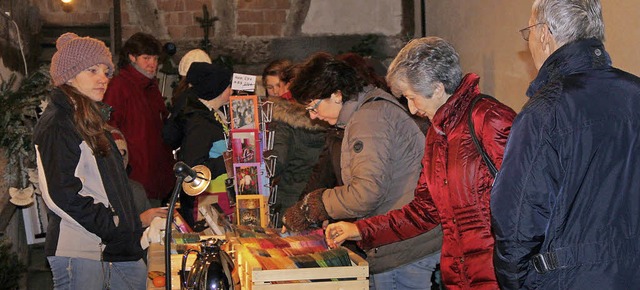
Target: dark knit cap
x,y
208,80
76,54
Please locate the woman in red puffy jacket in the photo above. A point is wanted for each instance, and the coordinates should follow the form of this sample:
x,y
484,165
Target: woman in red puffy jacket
x,y
455,182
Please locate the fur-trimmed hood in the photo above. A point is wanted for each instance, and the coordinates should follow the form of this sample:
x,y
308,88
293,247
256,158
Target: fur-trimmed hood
x,y
295,115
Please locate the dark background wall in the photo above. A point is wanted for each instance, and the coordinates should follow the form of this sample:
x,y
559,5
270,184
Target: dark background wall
x,y
250,32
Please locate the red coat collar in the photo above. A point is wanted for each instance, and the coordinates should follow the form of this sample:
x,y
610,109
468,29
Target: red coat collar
x,y
451,112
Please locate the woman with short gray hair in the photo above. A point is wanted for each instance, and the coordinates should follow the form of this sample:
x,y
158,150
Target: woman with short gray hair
x,y
455,182
421,63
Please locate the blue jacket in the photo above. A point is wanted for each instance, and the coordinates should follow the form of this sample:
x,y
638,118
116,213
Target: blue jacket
x,y
569,186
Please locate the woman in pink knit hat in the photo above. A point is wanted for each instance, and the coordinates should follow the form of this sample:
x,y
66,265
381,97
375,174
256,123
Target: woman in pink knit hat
x,y
93,236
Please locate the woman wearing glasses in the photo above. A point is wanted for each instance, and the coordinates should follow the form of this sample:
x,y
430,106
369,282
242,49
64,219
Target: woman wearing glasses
x,y
455,183
327,172
380,161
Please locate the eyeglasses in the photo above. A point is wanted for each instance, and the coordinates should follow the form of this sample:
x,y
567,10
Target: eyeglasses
x,y
527,30
314,108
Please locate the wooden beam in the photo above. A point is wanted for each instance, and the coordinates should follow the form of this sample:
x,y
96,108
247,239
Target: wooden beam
x,y
117,27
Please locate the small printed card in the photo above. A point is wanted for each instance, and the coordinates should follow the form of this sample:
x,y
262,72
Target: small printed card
x,y
242,82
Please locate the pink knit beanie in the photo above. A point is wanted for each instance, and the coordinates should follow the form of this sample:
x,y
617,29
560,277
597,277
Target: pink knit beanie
x,y
76,54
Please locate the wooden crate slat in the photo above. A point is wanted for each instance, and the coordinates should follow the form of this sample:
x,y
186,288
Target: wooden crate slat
x,y
310,273
253,277
338,285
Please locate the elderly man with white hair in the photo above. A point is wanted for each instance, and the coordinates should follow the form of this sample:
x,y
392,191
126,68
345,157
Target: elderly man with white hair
x,y
566,203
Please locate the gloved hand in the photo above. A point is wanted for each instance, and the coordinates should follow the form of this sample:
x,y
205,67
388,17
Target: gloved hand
x,y
153,234
310,210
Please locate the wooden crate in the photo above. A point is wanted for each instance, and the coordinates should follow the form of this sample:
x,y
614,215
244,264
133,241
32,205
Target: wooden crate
x,y
253,277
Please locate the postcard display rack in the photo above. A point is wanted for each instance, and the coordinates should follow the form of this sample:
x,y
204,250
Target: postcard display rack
x,y
257,247
249,169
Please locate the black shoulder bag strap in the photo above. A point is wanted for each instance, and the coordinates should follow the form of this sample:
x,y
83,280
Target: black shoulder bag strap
x,y
472,131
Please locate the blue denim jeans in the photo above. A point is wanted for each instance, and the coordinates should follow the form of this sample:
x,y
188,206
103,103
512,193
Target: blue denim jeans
x,y
79,273
416,275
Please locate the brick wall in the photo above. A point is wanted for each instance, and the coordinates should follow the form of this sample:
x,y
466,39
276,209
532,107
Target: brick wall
x,y
250,32
176,16
262,17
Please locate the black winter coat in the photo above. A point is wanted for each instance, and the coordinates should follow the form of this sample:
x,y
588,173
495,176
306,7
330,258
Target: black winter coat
x,y
297,143
197,131
90,208
568,192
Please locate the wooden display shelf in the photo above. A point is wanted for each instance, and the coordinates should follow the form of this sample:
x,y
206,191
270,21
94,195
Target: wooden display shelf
x,y
253,277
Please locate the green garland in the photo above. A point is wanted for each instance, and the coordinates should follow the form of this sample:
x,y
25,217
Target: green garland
x,y
19,107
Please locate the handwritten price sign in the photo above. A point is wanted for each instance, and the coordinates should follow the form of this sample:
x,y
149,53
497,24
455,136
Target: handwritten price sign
x,y
242,82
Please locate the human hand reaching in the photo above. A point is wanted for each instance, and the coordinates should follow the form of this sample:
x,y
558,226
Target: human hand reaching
x,y
147,216
153,234
336,233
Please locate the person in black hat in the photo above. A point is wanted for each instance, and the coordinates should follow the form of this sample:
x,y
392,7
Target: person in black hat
x,y
201,127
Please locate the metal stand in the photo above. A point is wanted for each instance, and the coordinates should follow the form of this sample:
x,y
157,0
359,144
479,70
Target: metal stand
x,y
167,232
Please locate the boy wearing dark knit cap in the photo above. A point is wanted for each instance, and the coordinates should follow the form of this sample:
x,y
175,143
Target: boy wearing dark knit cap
x,y
192,56
202,130
208,80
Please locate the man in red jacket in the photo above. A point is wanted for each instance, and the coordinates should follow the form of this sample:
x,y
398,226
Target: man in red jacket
x,y
139,112
455,181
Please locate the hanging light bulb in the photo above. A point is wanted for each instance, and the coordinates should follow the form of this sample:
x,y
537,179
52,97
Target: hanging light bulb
x,y
67,6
